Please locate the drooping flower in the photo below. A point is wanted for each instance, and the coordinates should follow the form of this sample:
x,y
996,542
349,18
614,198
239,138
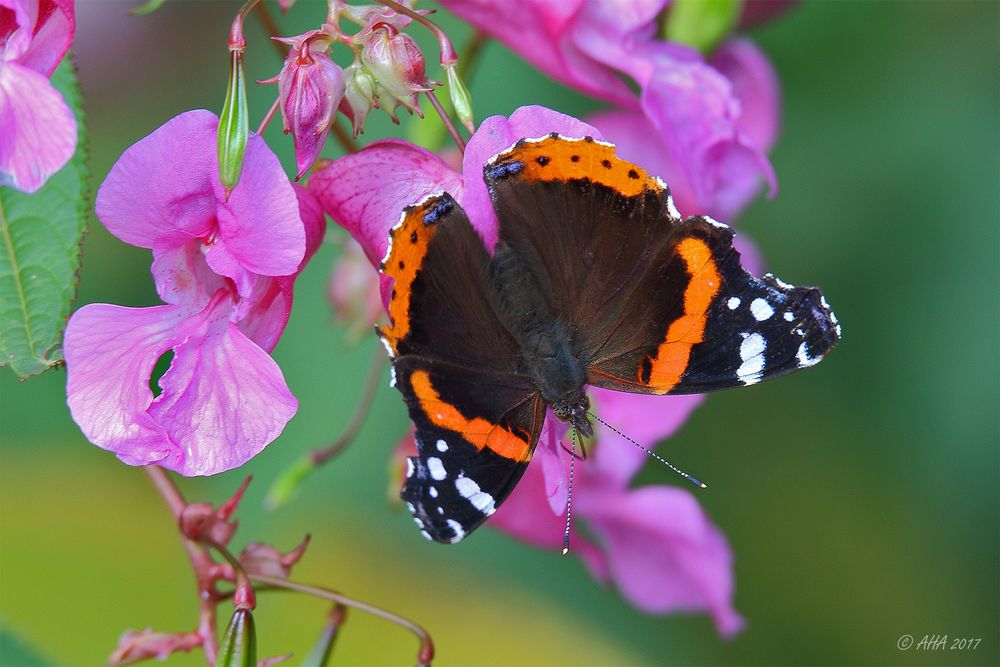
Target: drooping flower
x,y
654,543
311,87
396,63
37,127
698,113
225,270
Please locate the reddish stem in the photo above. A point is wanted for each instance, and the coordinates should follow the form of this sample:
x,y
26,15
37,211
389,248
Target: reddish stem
x,y
201,562
448,55
446,119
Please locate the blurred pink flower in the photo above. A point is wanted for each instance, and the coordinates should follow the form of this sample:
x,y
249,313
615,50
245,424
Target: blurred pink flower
x,y
353,289
225,270
311,87
697,112
37,127
654,542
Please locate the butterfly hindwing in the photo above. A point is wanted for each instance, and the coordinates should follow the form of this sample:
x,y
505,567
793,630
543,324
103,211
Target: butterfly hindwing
x,y
475,435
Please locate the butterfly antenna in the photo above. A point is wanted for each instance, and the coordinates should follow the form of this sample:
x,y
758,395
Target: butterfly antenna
x,y
569,496
690,478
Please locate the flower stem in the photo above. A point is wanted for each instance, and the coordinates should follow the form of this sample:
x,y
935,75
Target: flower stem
x,y
426,652
448,55
266,120
201,562
270,27
446,119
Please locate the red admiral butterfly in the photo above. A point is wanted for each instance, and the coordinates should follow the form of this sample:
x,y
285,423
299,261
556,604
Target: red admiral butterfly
x,y
596,280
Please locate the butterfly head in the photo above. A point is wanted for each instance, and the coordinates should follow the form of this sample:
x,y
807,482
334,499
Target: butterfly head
x,y
574,411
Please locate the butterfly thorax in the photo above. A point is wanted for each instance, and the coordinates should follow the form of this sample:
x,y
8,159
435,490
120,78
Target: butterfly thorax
x,y
548,352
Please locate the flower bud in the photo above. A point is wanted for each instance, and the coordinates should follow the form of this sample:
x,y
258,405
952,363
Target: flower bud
x,y
397,64
310,86
234,125
460,98
239,645
359,96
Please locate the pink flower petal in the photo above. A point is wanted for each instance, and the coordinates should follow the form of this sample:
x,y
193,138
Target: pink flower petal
x,y
164,191
755,85
697,116
541,32
184,278
646,419
523,516
366,192
160,191
260,223
664,553
264,310
18,29
110,353
224,399
497,134
37,128
53,34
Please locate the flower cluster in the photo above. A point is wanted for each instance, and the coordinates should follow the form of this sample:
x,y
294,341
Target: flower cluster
x,y
37,128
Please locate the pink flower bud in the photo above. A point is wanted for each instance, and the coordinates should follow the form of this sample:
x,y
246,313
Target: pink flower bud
x,y
397,64
311,87
358,97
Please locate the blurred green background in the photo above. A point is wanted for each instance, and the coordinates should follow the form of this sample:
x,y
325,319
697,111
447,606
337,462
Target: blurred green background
x,y
860,498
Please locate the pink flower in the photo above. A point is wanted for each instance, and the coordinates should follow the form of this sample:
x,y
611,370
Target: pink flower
x,y
353,290
311,87
693,106
654,543
37,128
225,270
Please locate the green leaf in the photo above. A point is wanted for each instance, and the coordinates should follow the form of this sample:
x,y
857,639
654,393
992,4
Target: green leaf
x,y
40,237
147,8
701,23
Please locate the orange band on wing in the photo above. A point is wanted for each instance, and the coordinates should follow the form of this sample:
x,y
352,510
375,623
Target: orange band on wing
x,y
408,242
560,159
478,431
668,365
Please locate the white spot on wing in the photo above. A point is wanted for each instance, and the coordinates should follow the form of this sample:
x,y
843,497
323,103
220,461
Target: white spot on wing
x,y
803,357
760,309
715,223
779,282
469,490
456,528
789,316
752,354
436,469
442,446
409,468
433,491
733,303
427,535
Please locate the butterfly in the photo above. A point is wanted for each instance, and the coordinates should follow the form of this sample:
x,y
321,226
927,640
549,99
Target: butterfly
x,y
596,280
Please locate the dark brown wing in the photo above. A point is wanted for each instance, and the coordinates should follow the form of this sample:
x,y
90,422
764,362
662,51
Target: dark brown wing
x,y
477,418
646,295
